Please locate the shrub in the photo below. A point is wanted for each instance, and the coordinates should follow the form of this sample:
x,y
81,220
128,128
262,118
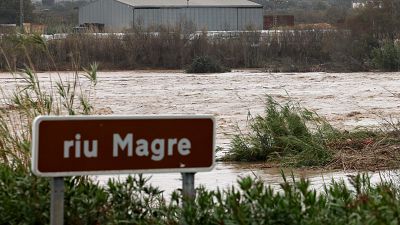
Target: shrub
x,y
387,57
284,134
205,64
25,199
297,203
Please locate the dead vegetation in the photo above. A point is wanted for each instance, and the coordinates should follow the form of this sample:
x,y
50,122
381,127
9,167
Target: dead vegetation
x,y
277,51
370,154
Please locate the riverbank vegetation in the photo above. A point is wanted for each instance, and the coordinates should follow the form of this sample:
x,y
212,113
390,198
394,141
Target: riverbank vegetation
x,y
134,201
25,198
275,51
291,135
367,39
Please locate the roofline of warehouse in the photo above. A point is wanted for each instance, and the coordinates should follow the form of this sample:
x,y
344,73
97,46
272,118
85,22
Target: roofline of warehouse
x,y
193,6
182,6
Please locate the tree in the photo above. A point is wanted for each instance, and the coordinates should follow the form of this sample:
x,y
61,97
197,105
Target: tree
x,y
378,18
9,11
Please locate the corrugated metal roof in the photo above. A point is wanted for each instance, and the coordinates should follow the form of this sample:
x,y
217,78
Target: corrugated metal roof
x,y
190,3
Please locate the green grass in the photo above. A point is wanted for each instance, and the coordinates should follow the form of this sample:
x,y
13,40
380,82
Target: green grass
x,y
288,133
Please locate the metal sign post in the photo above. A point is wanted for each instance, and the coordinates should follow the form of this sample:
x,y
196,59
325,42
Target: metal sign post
x,y
188,190
57,201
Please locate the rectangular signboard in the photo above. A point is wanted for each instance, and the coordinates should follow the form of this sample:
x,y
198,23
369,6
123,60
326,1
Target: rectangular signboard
x,y
88,145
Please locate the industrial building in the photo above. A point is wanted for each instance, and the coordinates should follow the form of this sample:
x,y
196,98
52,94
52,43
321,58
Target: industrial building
x,y
211,15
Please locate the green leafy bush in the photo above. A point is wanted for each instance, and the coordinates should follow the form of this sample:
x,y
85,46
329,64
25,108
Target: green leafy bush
x,y
297,203
387,57
205,64
25,199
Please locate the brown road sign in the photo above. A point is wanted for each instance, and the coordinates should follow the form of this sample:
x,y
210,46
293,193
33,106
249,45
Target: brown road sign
x,y
85,145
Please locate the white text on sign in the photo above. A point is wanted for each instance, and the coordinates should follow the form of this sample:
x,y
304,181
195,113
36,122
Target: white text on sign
x,y
156,149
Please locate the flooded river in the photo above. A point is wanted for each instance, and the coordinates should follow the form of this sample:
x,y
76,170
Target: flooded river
x,y
347,100
226,174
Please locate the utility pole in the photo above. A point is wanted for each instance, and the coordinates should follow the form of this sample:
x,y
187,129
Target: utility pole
x,y
21,14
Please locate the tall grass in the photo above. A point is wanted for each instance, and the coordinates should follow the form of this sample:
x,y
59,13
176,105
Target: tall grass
x,y
291,135
31,98
288,133
287,50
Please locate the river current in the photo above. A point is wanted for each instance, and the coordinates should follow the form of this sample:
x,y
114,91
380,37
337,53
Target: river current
x,y
346,100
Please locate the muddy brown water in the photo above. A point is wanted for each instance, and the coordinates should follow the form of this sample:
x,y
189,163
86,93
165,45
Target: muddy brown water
x,y
226,175
347,100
